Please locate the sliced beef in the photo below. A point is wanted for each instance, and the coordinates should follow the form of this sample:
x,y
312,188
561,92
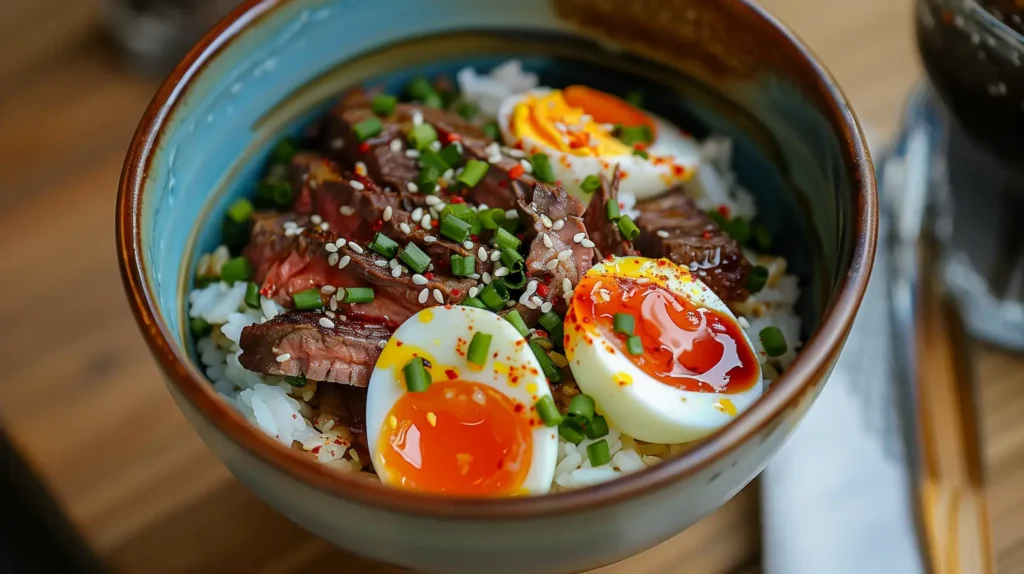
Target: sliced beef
x,y
344,353
603,231
345,404
672,226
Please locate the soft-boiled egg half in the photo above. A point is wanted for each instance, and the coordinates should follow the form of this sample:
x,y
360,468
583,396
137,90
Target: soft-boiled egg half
x,y
584,132
662,356
473,429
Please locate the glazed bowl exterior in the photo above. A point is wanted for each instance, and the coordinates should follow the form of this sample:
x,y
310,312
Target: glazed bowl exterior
x,y
273,64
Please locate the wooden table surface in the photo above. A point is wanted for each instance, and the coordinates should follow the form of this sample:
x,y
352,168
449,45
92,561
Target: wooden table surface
x,y
89,409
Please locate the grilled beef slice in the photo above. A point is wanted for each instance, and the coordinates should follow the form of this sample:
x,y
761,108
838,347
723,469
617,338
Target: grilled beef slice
x,y
603,231
672,226
344,353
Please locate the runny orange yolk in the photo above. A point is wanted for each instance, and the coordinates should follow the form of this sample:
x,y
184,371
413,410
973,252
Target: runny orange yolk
x,y
554,122
457,437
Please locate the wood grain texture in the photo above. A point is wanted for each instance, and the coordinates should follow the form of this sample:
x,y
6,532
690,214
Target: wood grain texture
x,y
91,413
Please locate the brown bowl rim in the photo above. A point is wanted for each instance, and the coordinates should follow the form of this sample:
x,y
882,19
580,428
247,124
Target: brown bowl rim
x,y
811,364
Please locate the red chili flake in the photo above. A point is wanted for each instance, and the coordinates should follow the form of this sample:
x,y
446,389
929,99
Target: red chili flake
x,y
398,343
609,257
541,333
558,182
519,236
723,210
542,290
377,225
364,147
678,170
502,183
565,342
706,234
452,137
429,275
451,374
435,223
576,144
315,449
516,171
501,464
266,291
295,416
640,146
458,199
532,423
456,292
474,238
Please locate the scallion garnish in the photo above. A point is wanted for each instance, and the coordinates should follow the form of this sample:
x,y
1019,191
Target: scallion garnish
x,y
773,341
516,319
757,279
199,327
455,229
414,257
547,411
419,88
237,269
298,381
417,377
460,210
474,171
276,193
571,431
451,155
549,368
739,230
510,257
384,245
762,238
494,296
628,229
597,453
492,130
516,278
590,183
641,153
478,349
463,266
252,295
623,324
550,321
542,168
358,295
505,240
473,302
491,218
597,428
467,110
432,159
368,128
581,406
631,135
634,346
433,100
611,209
635,99
241,210
284,151
308,299
421,136
383,104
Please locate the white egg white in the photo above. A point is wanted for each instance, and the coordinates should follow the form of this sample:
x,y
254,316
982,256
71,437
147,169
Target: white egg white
x,y
441,335
633,401
644,178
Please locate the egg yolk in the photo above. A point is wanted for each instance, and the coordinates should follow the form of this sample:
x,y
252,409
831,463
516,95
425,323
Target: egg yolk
x,y
552,121
457,437
687,346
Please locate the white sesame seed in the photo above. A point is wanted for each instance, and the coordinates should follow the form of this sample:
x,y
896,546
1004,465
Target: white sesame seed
x,y
283,357
433,200
558,225
396,145
388,212
423,296
411,153
429,239
693,266
448,174
438,297
661,233
546,221
344,261
501,272
316,219
332,259
356,185
536,300
578,237
347,210
337,143
381,262
492,148
567,295
486,278
355,247
326,323
340,242
546,307
495,255
511,214
419,279
526,165
564,255
331,248
474,276
330,314
396,271
467,244
417,214
417,117
324,226
393,263
380,345
482,207
290,225
551,265
566,284
473,291
493,159
481,254
516,153
528,304
547,240
412,187
328,289
405,228
333,303
587,243
435,145
531,288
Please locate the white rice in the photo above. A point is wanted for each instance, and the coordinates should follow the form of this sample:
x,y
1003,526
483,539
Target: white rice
x,y
281,411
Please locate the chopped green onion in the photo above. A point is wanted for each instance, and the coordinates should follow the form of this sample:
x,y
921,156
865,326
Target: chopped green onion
x,y
557,334
641,153
773,341
762,237
473,302
516,319
474,171
427,179
460,210
467,110
494,296
550,321
628,229
542,168
417,377
383,104
634,346
611,208
235,235
582,406
718,218
252,295
433,100
597,428
636,99
241,210
510,257
548,412
237,269
368,128
516,279
757,278
308,299
277,193
414,257
623,324
358,295
571,431
739,230
283,151
199,327
451,155
505,240
598,454
631,135
549,368
463,266
419,87
478,347
491,218
455,229
297,381
384,245
492,130
432,159
590,183
421,136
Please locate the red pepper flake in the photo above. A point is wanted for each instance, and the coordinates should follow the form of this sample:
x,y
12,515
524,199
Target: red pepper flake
x,y
541,333
435,224
502,183
429,275
542,290
451,374
558,182
456,292
723,210
364,147
452,137
640,146
266,291
377,225
501,464
516,171
678,170
295,416
519,408
315,449
399,343
474,238
706,234
609,257
458,199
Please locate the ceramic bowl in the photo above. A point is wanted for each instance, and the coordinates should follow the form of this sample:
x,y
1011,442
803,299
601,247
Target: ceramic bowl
x,y
724,67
